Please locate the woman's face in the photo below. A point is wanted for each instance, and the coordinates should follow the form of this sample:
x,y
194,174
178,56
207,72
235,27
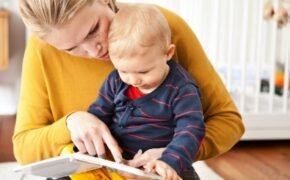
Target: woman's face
x,y
86,34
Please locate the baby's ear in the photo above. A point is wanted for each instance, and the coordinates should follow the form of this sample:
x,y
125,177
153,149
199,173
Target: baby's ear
x,y
170,51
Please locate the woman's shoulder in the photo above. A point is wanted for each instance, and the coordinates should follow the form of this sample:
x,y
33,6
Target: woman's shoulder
x,y
39,50
174,20
34,44
169,15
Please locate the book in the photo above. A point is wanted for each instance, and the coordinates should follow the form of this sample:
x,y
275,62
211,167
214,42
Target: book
x,y
66,165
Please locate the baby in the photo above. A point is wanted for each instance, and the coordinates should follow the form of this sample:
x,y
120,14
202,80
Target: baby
x,y
150,101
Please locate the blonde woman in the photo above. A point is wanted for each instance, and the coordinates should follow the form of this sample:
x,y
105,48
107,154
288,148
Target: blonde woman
x,y
65,63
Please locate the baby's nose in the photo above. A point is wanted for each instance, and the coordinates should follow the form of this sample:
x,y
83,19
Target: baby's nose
x,y
136,82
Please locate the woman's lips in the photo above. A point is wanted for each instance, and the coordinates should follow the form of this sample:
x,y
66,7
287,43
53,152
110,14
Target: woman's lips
x,y
105,55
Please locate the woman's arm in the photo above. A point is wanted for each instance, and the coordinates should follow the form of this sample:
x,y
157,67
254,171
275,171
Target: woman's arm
x,y
36,135
223,121
55,87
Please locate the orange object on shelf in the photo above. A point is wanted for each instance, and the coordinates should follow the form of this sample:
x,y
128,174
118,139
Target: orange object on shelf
x,y
279,79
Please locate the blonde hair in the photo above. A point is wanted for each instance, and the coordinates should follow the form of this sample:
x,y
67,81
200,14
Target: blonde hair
x,y
138,25
41,15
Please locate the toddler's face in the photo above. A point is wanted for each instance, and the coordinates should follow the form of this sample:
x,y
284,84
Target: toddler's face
x,y
145,70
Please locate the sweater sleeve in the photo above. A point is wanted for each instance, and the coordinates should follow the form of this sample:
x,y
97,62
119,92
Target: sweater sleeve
x,y
219,109
103,107
189,131
36,136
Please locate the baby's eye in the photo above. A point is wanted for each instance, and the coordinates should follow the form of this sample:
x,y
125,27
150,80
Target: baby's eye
x,y
123,72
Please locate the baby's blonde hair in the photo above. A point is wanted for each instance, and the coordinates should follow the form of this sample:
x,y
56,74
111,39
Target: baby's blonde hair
x,y
138,25
41,15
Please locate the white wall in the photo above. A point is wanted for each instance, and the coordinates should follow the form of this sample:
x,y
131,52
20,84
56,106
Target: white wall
x,y
10,78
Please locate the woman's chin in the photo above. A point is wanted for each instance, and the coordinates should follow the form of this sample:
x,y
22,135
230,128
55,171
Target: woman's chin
x,y
98,58
104,59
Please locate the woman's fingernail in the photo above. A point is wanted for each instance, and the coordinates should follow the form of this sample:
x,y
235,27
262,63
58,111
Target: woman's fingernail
x,y
119,160
124,161
102,156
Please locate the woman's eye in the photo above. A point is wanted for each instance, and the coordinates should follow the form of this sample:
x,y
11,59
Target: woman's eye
x,y
69,51
95,29
144,72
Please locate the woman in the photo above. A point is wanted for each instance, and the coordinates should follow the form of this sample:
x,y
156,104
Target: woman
x,y
65,64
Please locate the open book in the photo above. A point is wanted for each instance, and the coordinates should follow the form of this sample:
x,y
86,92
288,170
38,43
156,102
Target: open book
x,y
76,163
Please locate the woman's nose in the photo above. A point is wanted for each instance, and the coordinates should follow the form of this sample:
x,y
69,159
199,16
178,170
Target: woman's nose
x,y
92,48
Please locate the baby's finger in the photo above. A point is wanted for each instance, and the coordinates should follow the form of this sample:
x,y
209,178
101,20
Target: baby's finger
x,y
149,167
139,153
161,171
133,162
170,174
139,161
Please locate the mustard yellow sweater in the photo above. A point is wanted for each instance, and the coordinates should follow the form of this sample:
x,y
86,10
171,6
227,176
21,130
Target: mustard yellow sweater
x,y
55,84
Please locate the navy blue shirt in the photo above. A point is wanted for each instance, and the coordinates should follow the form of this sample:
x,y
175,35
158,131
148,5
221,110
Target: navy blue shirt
x,y
171,116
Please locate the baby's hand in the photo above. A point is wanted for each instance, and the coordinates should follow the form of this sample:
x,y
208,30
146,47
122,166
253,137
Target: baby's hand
x,y
142,158
162,169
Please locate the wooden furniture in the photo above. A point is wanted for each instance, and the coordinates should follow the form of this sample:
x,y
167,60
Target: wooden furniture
x,y
7,124
4,39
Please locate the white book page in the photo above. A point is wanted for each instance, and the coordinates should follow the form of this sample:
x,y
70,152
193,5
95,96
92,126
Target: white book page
x,y
76,163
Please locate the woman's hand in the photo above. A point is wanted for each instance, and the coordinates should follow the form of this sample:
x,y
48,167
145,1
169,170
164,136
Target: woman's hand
x,y
89,134
162,169
140,159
